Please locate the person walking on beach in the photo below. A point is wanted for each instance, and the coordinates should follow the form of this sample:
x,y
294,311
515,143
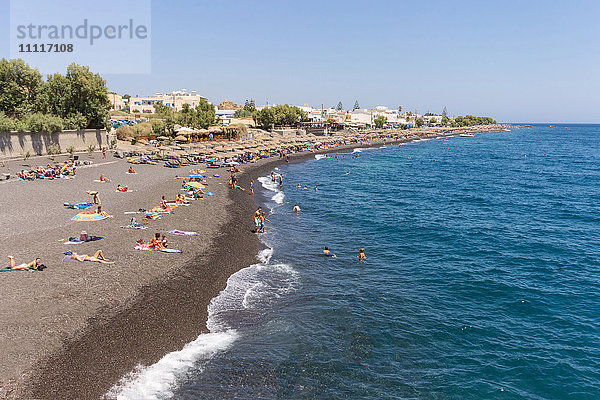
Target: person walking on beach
x,y
361,255
251,186
104,152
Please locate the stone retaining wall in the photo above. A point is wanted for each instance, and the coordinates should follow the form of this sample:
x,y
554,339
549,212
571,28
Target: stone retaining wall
x,y
15,144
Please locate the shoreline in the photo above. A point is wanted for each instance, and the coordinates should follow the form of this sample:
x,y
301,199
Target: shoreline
x,y
165,314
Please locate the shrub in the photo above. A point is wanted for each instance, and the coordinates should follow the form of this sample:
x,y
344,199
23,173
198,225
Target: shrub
x,y
76,121
26,155
90,149
54,149
142,129
6,124
125,132
46,123
113,143
71,150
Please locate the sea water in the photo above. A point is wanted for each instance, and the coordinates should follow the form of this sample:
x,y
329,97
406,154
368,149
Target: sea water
x,y
482,279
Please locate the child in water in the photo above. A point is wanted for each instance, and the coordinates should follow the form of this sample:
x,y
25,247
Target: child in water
x,y
361,255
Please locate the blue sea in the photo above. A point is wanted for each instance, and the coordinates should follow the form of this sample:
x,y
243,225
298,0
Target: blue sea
x,y
482,279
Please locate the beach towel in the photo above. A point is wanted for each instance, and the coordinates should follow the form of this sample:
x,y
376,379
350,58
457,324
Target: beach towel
x,y
182,233
6,269
89,216
79,206
196,185
147,248
210,193
99,181
131,173
138,226
75,240
68,258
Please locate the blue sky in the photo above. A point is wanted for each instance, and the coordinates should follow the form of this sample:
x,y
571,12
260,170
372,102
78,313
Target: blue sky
x,y
534,61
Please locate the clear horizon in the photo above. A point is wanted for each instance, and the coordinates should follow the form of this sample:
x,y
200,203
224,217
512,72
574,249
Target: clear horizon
x,y
511,61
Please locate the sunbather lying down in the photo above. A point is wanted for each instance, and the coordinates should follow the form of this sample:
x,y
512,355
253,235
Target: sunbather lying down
x,y
35,264
97,257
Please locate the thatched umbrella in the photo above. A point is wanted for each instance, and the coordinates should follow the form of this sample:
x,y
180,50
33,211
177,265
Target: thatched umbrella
x,y
180,138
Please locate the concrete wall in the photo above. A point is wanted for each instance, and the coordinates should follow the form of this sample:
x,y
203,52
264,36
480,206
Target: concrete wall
x,y
15,144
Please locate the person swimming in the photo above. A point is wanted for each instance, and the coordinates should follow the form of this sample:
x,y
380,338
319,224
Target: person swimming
x,y
327,252
296,208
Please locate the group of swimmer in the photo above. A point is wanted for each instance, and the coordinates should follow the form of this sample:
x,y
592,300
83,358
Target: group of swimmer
x,y
306,187
361,254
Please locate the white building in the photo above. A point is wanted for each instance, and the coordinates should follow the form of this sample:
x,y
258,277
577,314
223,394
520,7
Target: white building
x,y
175,100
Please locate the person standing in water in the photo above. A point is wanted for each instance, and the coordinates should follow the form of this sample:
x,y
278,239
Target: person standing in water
x,y
257,219
361,255
280,180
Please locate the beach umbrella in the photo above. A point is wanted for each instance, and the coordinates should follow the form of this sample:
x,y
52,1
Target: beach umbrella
x,y
180,138
162,138
88,216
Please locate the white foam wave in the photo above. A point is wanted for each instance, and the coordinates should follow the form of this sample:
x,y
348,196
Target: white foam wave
x,y
278,197
358,150
158,380
320,156
249,290
268,184
264,256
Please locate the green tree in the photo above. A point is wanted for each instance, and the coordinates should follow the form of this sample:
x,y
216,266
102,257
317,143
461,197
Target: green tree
x,y
340,107
445,112
380,121
249,106
265,118
419,122
399,109
162,109
445,120
19,86
243,113
204,115
186,116
356,106
126,96
79,92
158,128
284,115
